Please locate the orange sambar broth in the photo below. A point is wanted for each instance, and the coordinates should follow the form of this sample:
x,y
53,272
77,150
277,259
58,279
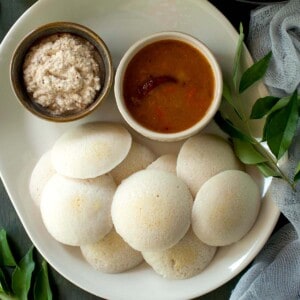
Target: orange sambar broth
x,y
168,86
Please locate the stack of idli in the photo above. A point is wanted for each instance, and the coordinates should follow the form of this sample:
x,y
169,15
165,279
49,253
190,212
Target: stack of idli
x,y
74,184
76,202
112,197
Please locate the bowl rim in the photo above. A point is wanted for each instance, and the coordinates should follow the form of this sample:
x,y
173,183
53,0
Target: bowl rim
x,y
133,50
62,27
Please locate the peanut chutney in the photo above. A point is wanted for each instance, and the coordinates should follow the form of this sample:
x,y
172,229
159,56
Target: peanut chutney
x,y
168,86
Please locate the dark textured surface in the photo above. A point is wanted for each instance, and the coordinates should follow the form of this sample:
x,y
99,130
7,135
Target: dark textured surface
x,y
10,10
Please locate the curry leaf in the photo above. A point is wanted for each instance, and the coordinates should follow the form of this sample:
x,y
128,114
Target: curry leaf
x,y
281,127
255,72
21,277
280,104
267,171
42,290
227,126
264,135
297,173
246,152
263,106
283,102
4,296
3,283
237,58
6,257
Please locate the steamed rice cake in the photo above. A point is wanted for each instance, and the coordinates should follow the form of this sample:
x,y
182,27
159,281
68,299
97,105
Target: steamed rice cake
x,y
225,208
186,259
111,254
40,175
165,162
202,157
76,211
138,158
90,150
151,210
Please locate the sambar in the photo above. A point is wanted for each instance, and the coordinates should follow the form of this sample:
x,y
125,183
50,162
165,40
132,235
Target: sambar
x,y
168,86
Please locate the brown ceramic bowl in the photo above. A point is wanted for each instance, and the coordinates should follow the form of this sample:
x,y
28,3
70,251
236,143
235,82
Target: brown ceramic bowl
x,y
102,57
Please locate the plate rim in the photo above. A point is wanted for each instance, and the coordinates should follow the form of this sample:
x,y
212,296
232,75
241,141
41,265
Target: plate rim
x,y
36,6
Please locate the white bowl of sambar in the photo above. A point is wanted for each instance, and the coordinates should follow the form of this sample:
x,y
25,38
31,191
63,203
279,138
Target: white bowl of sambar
x,y
168,86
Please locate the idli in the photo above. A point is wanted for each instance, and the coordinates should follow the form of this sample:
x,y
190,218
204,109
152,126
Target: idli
x,y
138,158
111,254
187,258
77,211
41,173
151,210
165,162
90,150
202,157
225,208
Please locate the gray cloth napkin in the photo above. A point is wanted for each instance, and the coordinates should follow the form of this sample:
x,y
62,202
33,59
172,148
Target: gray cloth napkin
x,y
277,28
275,273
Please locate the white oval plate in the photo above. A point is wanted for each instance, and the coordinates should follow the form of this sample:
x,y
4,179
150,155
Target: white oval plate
x,y
24,138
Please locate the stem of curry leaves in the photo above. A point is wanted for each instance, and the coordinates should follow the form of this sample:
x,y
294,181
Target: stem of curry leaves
x,y
247,148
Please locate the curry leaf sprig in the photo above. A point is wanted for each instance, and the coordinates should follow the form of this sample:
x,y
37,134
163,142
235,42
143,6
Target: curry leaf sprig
x,y
21,282
280,123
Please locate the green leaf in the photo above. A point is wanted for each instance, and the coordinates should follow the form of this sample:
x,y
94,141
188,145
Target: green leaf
x,y
263,106
283,102
280,104
297,173
6,256
4,296
255,72
237,57
42,290
264,135
281,127
229,128
267,171
246,152
3,283
21,277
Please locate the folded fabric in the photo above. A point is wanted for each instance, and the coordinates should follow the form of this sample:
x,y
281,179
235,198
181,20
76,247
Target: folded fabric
x,y
275,273
277,28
